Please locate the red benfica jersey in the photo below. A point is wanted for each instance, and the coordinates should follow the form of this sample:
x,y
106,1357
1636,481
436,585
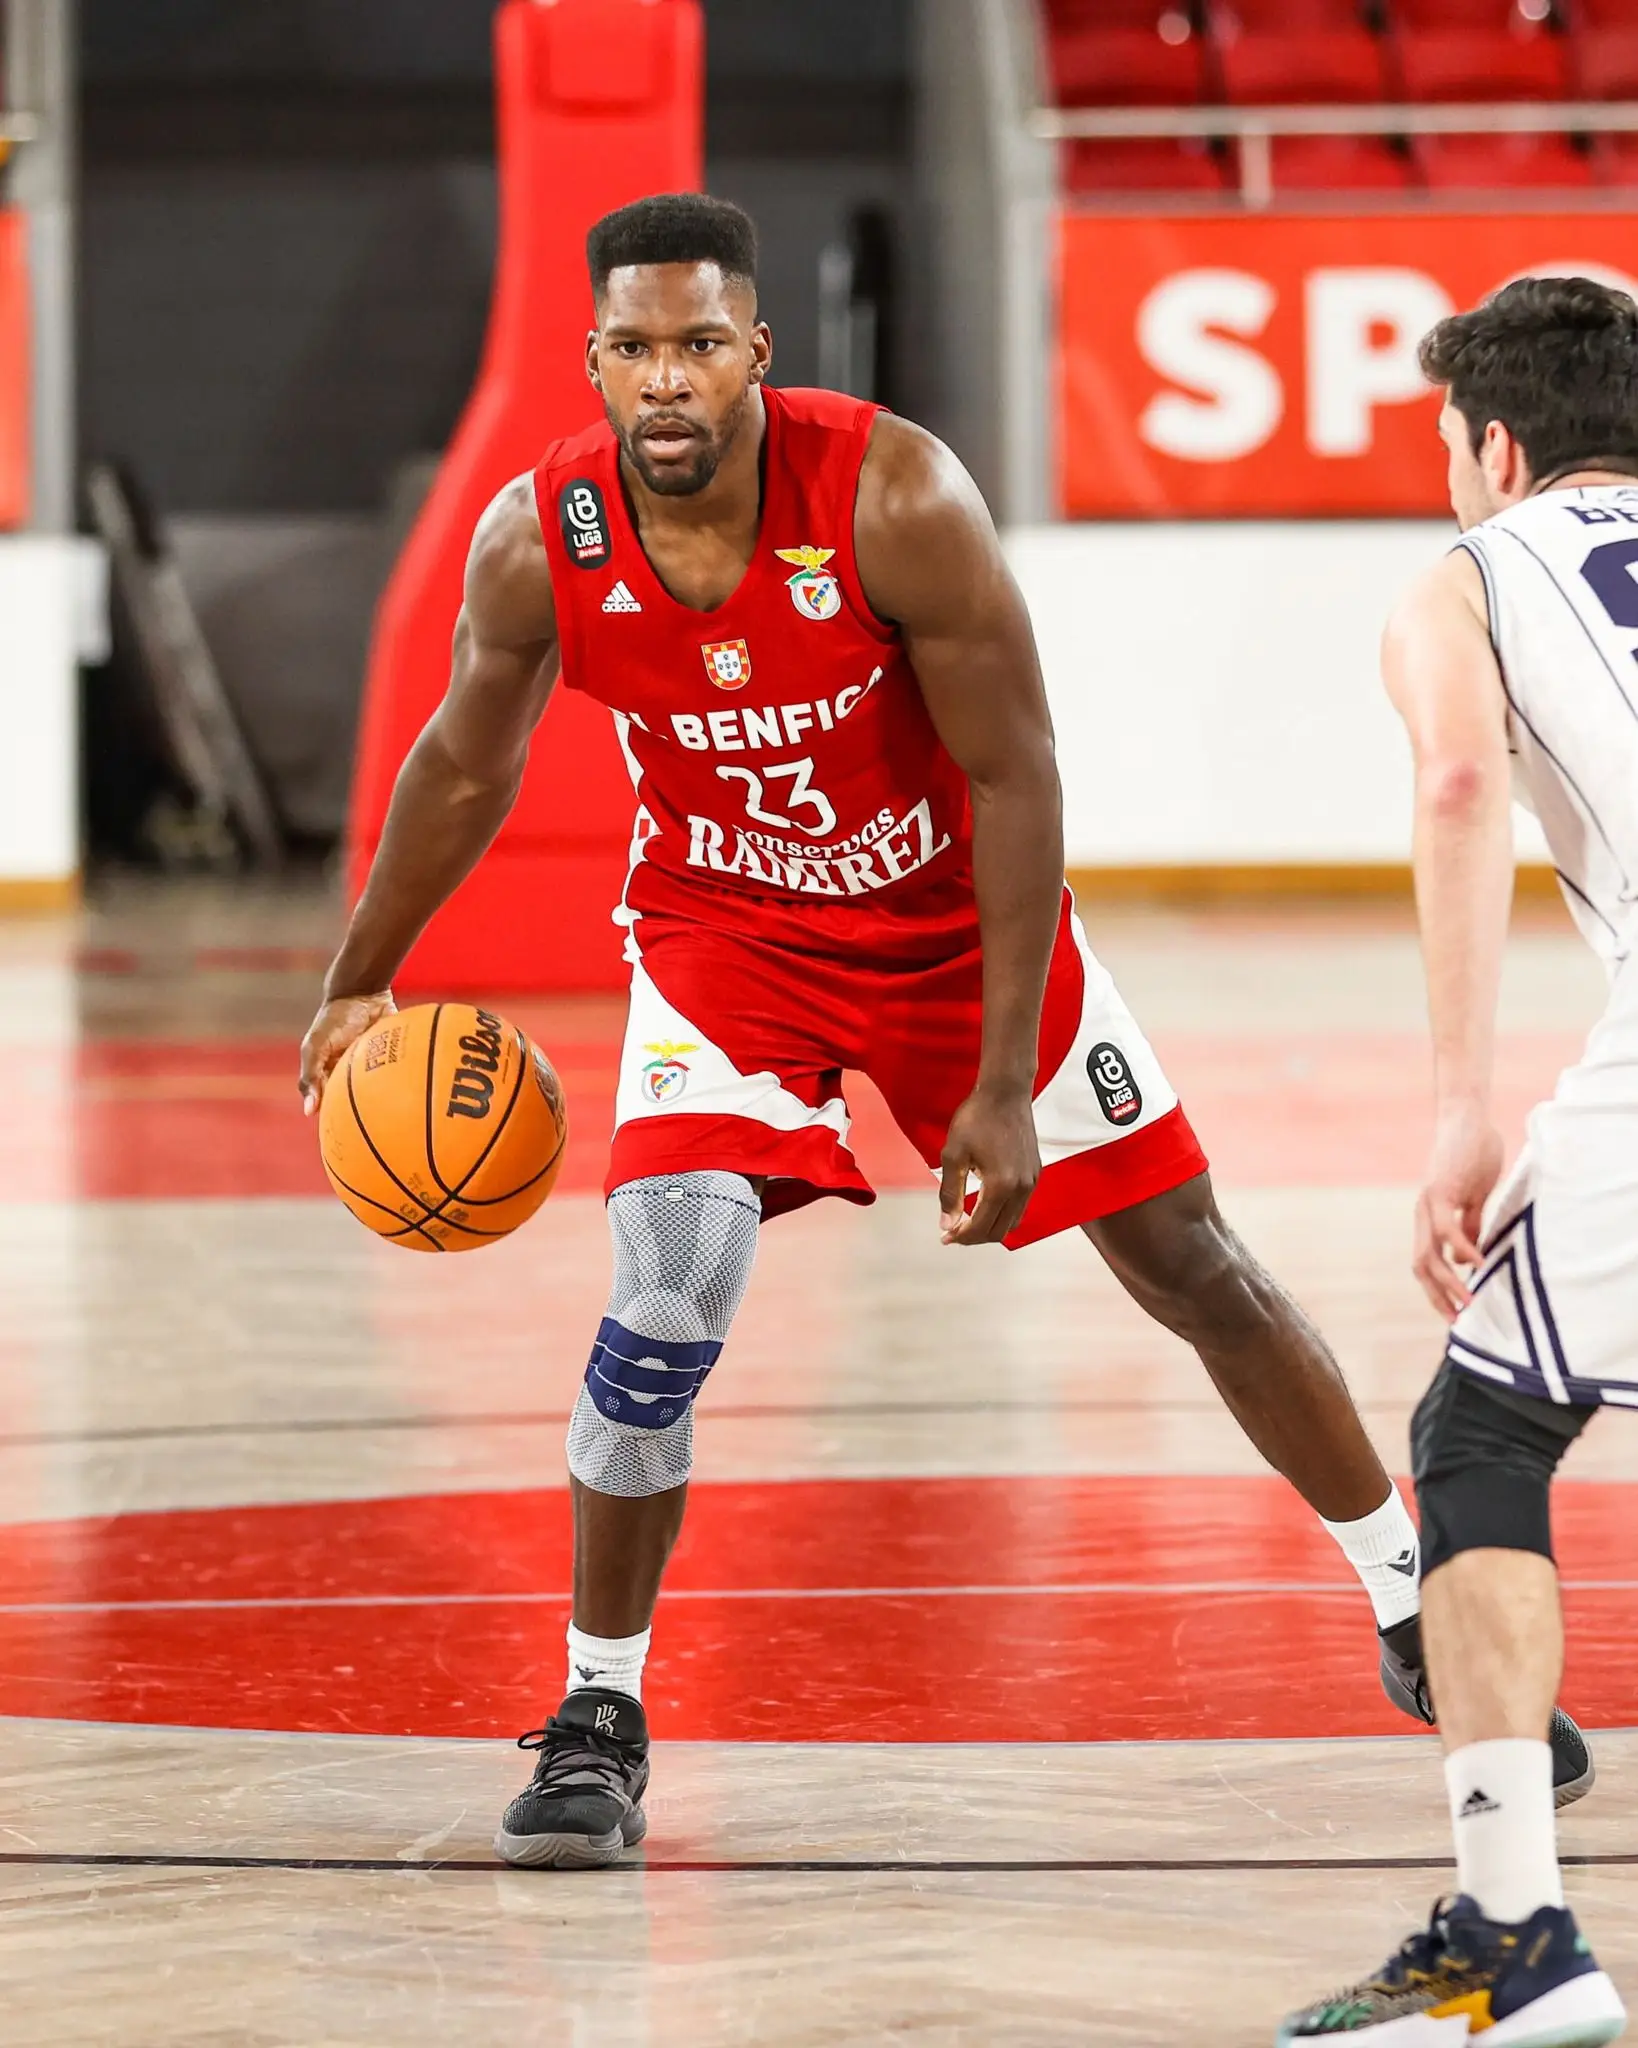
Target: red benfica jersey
x,y
781,750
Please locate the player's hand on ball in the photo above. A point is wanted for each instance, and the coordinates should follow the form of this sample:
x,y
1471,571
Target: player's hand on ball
x,y
992,1140
337,1025
1464,1169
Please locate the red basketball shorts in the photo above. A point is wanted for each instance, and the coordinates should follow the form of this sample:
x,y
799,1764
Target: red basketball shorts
x,y
737,1040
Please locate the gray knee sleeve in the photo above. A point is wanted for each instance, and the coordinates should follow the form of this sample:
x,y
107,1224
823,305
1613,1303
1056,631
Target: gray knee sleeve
x,y
683,1247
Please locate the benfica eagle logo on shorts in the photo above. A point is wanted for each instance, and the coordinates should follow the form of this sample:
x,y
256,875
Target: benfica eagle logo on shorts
x,y
814,590
728,664
666,1075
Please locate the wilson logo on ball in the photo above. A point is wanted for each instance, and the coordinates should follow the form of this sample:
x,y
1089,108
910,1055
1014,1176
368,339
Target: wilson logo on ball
x,y
472,1090
450,1140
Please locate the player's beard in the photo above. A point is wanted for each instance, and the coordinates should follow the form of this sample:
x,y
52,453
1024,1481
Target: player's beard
x,y
684,479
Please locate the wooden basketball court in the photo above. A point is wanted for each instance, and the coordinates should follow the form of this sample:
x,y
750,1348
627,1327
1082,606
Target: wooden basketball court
x,y
999,1695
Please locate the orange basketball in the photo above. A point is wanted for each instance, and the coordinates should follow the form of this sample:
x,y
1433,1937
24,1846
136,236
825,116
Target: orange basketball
x,y
443,1128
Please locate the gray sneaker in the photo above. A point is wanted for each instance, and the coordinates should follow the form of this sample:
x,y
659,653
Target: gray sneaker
x,y
584,1806
1405,1681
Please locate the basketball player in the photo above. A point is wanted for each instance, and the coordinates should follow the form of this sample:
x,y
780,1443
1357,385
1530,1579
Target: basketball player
x,y
847,854
1522,641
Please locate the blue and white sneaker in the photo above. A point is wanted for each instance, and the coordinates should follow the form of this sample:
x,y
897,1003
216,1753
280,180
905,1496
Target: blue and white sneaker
x,y
1533,1985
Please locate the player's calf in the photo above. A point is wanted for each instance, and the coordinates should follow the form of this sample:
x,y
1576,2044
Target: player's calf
x,y
1404,1676
1181,1262
1484,1458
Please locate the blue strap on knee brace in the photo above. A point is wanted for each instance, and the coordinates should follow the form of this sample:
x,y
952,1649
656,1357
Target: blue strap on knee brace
x,y
646,1382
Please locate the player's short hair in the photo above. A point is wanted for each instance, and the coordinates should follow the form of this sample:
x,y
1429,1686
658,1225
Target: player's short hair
x,y
1555,359
674,227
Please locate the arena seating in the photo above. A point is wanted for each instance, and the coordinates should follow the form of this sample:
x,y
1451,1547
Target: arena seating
x,y
1146,166
1307,53
1480,64
1101,66
1318,53
1307,164
1604,49
1487,163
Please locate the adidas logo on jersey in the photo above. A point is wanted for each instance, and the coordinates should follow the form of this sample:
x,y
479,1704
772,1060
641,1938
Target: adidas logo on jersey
x,y
620,599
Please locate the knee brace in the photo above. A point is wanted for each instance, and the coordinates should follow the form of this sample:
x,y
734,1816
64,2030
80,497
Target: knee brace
x,y
1484,1458
683,1247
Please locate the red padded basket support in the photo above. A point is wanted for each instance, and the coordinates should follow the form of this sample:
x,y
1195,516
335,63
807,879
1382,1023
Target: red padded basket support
x,y
600,102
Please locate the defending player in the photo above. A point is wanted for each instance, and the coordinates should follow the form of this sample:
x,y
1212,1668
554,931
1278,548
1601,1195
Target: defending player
x,y
848,854
1522,641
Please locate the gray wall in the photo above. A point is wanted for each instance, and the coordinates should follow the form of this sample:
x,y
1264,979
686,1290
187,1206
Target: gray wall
x,y
285,607
288,225
276,337
162,42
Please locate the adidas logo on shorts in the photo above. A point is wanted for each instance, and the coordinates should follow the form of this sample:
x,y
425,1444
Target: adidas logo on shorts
x,y
620,599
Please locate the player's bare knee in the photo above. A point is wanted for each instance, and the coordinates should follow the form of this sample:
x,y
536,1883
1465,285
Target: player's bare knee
x,y
683,1248
1484,1458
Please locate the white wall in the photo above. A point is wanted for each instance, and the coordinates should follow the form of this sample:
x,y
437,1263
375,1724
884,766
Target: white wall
x,y
1215,687
52,615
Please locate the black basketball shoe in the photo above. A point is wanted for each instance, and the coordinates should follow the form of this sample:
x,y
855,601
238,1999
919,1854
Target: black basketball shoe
x,y
1405,1681
584,1806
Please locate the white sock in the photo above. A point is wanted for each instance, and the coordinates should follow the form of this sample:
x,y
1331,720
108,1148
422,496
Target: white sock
x,y
1383,1549
609,1663
1501,1808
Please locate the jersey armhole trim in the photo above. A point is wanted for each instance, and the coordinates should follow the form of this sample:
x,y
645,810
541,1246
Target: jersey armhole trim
x,y
568,626
1472,548
885,630
1468,545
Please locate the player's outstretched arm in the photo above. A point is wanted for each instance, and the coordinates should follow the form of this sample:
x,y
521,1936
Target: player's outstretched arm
x,y
458,781
930,562
1441,673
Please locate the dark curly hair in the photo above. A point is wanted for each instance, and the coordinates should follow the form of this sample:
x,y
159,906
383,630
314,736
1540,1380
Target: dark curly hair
x,y
674,227
1555,359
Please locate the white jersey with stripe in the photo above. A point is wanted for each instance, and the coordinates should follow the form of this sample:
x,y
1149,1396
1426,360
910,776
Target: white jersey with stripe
x,y
1561,582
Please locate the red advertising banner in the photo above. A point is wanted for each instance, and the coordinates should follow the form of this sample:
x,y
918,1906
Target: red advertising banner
x,y
1267,365
14,379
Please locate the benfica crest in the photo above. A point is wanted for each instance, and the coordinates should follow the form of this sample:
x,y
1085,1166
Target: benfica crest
x,y
814,590
728,664
666,1075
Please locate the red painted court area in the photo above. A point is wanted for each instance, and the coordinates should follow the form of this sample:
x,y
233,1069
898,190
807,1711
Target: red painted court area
x,y
164,1118
959,1610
